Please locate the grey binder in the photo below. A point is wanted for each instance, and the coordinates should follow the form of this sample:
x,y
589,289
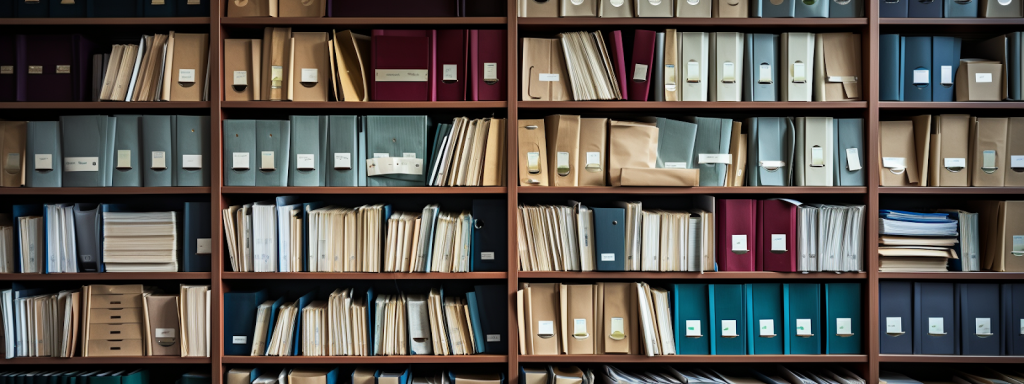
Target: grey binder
x,y
396,137
773,8
711,151
693,8
761,70
655,8
846,8
960,8
769,151
675,143
272,144
127,164
419,326
849,143
308,145
342,151
43,155
88,143
192,151
614,8
812,8
240,153
658,72
158,151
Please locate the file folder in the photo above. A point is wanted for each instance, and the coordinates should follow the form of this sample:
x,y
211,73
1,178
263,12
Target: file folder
x,y
777,235
88,143
618,60
240,321
490,233
850,153
931,9
197,247
276,66
639,71
711,150
593,153
950,146
158,142
796,71
728,319
60,8
8,82
987,8
936,322
307,163
655,8
544,76
736,241
812,8
987,151
492,301
800,303
916,67
893,8
959,8
538,8
403,140
979,319
585,8
899,165
1015,158
59,72
342,151
563,138
297,336
543,315
185,71
452,57
610,238
403,65
770,145
1012,310
127,158
192,136
676,141
853,8
843,330
730,9
692,322
814,151
693,9
889,55
43,156
727,71
764,316
310,68
613,8
13,146
272,148
761,67
895,317
240,148
533,160
578,318
837,64
945,62
487,60
693,64
768,8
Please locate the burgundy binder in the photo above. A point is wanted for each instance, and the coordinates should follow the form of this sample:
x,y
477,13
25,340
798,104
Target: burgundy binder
x,y
776,236
735,218
397,50
643,55
618,61
395,8
40,57
8,85
487,65
452,52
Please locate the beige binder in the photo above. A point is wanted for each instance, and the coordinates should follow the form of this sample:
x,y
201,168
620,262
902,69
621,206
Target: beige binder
x,y
12,157
1000,8
898,154
577,8
797,53
615,8
693,64
533,164
538,8
310,77
621,334
352,55
671,65
276,70
302,8
950,163
727,72
837,75
242,60
1015,153
654,8
738,149
593,158
566,374
187,62
922,144
730,9
252,8
163,335
544,310
988,151
816,133
544,76
563,140
693,8
495,155
579,320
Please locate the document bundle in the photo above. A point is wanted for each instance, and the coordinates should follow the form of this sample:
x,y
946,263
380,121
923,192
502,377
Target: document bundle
x,y
138,376
353,322
926,242
360,375
634,318
671,375
951,9
691,8
288,235
693,66
945,318
952,151
943,68
171,67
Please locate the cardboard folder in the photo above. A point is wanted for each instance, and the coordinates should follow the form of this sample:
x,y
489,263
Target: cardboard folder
x,y
593,159
949,151
837,75
533,165
988,151
898,165
538,8
797,71
563,138
276,68
310,71
187,63
693,9
352,56
1014,153
252,8
163,334
612,8
242,61
578,319
302,8
619,319
544,77
12,157
730,9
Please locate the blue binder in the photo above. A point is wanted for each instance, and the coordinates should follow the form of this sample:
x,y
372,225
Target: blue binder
x,y
843,329
342,151
43,138
492,303
889,67
610,238
727,312
307,163
945,61
848,134
1013,318
111,8
197,227
474,315
935,307
273,137
800,305
297,336
895,314
689,305
273,320
240,320
764,316
979,319
240,146
490,236
893,8
916,68
39,9
959,8
931,9
200,8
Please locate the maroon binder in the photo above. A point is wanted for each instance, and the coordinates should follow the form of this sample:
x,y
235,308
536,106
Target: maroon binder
x,y
402,50
618,61
643,55
452,52
395,8
735,218
776,220
487,65
39,59
8,85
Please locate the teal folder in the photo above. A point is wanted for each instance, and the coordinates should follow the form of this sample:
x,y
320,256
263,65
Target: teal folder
x,y
396,136
764,319
800,302
127,165
675,143
158,144
692,322
272,143
714,135
88,143
842,318
728,318
240,158
139,376
308,145
192,151
342,151
43,155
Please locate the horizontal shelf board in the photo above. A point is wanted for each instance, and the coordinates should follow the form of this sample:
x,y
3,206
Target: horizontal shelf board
x,y
99,191
364,359
106,104
674,105
951,190
686,22
691,190
693,359
361,276
951,21
134,360
105,276
145,21
690,275
364,105
950,359
895,105
364,190
361,21
951,275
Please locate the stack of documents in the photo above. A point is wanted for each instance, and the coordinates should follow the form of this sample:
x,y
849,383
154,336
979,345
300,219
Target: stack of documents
x,y
31,243
389,323
655,320
40,325
839,238
590,70
7,252
282,334
138,376
61,251
468,153
195,320
672,375
347,326
162,67
916,242
314,329
140,241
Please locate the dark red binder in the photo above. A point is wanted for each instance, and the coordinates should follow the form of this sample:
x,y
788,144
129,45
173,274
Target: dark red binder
x,y
487,65
776,226
643,55
8,85
395,50
452,53
735,218
618,59
395,8
52,67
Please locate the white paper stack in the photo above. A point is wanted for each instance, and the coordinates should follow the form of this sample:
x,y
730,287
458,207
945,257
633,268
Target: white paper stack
x,y
195,320
139,242
590,70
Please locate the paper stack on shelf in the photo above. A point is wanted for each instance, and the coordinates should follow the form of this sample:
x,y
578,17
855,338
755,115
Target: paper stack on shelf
x,y
195,320
140,241
915,242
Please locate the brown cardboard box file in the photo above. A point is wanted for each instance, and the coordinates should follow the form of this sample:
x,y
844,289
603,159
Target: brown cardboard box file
x,y
950,163
730,9
1015,153
563,142
533,164
242,61
593,162
310,76
185,74
988,149
837,67
980,80
302,8
12,157
114,320
544,76
897,165
277,48
252,8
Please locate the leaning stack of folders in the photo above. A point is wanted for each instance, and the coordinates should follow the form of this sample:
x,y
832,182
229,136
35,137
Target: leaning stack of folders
x,y
89,237
288,235
935,68
360,375
569,374
354,322
690,8
952,151
984,375
373,151
693,66
106,8
946,318
390,65
635,318
138,376
161,67
570,151
114,320
950,9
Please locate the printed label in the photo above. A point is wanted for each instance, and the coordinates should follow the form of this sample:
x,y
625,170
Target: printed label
x,y
305,161
946,74
44,162
380,155
728,72
342,160
692,72
400,75
921,77
844,326
192,161
852,159
739,243
545,327
186,75
955,162
893,325
607,257
675,164
982,326
548,77
81,164
1017,161
240,160
267,160
276,76
595,158
728,327
640,72
158,160
203,246
490,73
394,166
714,158
238,339
767,327
799,73
803,327
894,162
486,255
165,332
579,327
493,338
982,77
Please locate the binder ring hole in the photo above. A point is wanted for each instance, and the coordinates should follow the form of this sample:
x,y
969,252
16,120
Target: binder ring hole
x,y
478,224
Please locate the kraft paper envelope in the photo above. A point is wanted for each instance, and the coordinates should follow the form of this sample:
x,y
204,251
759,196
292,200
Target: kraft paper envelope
x,y
533,164
631,145
12,159
837,71
578,327
949,155
185,73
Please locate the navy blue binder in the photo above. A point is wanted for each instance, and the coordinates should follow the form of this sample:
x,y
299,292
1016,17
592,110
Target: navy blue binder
x,y
490,236
892,8
935,320
924,8
916,68
895,311
111,8
6,8
889,67
492,300
979,319
610,238
297,336
945,61
32,9
188,8
157,8
240,321
197,232
959,8
1013,318
75,9
728,319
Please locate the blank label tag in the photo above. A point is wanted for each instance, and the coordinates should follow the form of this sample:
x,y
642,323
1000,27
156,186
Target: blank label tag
x,y
1018,245
982,326
309,75
692,72
728,327
607,257
124,159
267,160
240,160
955,162
1016,161
548,77
618,329
844,326
693,328
894,162
342,160
186,75
670,77
803,327
82,164
779,242
44,162
714,158
1022,326
765,74
240,78
579,327
817,156
493,338
799,73
640,72
164,332
203,246
533,162
486,255
921,77
946,74
852,159
767,327
935,326
192,161
982,77
490,73
545,328
450,72
159,160
893,325
728,72
238,339
675,164
305,161
380,155
595,158
739,243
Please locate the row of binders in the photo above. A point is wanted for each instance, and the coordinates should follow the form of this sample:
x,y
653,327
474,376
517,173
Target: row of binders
x,y
951,9
106,8
84,237
689,319
287,235
935,68
357,8
671,375
944,318
106,320
374,151
974,376
107,151
390,65
693,66
569,151
360,375
952,151
690,8
171,67
352,322
138,376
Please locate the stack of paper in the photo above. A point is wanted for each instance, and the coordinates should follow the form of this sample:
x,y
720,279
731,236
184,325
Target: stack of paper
x,y
138,242
916,242
839,232
195,320
450,325
453,239
389,336
590,70
314,329
61,252
469,153
31,238
283,331
42,325
7,255
347,327
655,320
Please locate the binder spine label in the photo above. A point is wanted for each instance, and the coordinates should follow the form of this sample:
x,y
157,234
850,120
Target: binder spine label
x,y
238,339
894,325
767,327
342,160
203,246
124,159
548,77
267,161
844,326
1016,161
486,255
936,326
693,328
982,77
158,160
983,326
607,257
309,75
44,162
400,75
852,159
803,327
450,72
946,74
921,77
729,328
192,161
493,338
240,78
240,160
186,75
81,164
305,161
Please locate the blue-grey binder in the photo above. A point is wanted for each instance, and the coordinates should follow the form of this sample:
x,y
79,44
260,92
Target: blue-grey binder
x,y
895,304
342,151
945,59
33,9
959,8
925,8
917,57
127,141
893,8
240,148
361,159
273,139
977,302
43,142
770,140
158,136
676,140
767,8
889,67
397,136
935,301
1013,311
308,139
192,134
812,8
714,136
761,55
848,141
846,8
610,238
88,143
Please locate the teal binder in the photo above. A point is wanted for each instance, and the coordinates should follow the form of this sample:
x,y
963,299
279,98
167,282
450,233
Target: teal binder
x,y
306,163
42,143
690,311
728,319
396,136
88,150
342,151
272,143
158,144
192,151
240,159
764,319
842,318
127,164
800,303
675,143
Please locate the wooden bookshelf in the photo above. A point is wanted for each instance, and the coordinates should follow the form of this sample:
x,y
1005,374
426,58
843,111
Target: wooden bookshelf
x,y
947,359
106,105
121,360
693,23
429,359
1007,276
104,191
106,276
375,105
622,105
951,191
628,359
692,190
363,276
365,22
365,190
939,106
111,21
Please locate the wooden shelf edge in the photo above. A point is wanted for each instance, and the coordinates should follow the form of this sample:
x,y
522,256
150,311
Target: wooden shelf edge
x,y
951,190
106,276
134,360
951,275
364,105
362,21
950,359
100,191
898,105
1014,21
474,359
362,276
738,22
673,105
105,105
693,359
692,190
122,21
693,275
363,190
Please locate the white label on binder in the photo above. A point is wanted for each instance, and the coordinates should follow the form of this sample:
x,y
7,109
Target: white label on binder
x,y
545,327
276,76
767,327
893,325
186,75
401,75
6,69
714,158
982,326
486,255
267,160
693,328
739,243
955,162
803,327
305,161
240,78
192,161
1018,245
309,75
693,72
852,159
82,164
894,162
935,326
982,77
164,332
159,160
490,73
124,158
595,158
450,72
607,257
640,72
579,327
379,155
765,74
203,246
1017,161
779,242
728,327
548,77
1022,326
342,160
799,73
44,162
394,166
240,160
728,72
946,75
1004,2
493,338
844,326
675,164
921,77
238,339
817,156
